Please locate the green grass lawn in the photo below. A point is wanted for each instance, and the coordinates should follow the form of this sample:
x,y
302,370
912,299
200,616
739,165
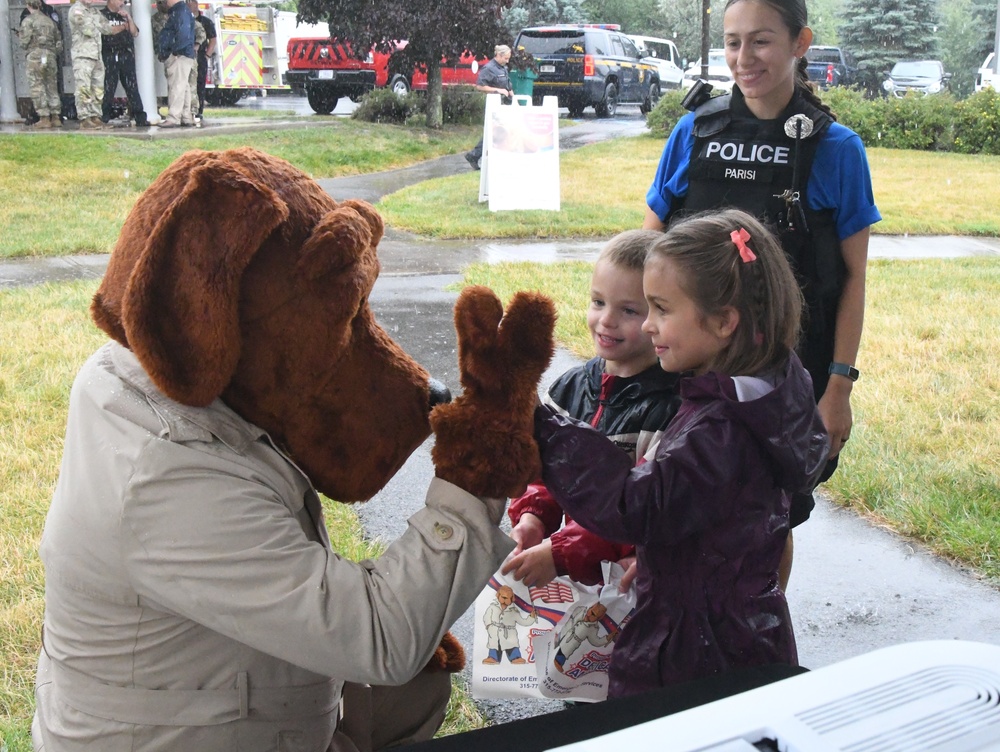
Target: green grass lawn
x,y
603,191
68,194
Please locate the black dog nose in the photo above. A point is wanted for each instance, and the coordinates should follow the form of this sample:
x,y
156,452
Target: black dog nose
x,y
440,394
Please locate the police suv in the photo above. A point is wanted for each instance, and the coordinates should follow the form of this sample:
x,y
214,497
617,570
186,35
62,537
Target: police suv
x,y
590,65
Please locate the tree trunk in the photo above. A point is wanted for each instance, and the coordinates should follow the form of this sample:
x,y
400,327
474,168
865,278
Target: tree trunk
x,y
435,117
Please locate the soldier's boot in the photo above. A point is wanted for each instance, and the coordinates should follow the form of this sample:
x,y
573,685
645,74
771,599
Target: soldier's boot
x,y
43,122
91,124
55,121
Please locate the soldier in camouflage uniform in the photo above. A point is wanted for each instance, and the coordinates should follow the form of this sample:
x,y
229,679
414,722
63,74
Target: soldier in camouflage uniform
x,y
87,25
157,23
42,43
200,39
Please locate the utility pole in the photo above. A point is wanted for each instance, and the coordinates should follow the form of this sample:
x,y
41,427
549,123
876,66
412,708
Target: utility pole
x,y
8,99
706,33
996,43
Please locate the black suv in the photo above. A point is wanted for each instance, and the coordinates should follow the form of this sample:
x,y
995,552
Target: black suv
x,y
589,65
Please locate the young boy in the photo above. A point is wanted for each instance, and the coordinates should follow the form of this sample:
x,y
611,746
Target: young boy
x,y
622,392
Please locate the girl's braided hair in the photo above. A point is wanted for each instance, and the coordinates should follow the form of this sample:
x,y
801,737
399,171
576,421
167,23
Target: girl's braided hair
x,y
713,273
796,18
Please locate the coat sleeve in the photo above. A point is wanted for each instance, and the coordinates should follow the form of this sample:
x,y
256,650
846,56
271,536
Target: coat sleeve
x,y
537,501
24,33
578,553
226,551
596,484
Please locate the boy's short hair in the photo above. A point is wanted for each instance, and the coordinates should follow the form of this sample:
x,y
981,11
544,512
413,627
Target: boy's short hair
x,y
628,250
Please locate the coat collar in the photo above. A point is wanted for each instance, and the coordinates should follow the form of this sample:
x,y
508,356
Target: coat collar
x,y
185,422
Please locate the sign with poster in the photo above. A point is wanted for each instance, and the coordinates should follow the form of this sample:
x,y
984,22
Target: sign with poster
x,y
520,164
553,641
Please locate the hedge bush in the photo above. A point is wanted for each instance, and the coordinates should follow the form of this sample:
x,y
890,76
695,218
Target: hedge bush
x,y
460,105
931,123
667,112
385,106
977,123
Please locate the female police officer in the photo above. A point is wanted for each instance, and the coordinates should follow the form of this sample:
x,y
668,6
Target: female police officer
x,y
772,148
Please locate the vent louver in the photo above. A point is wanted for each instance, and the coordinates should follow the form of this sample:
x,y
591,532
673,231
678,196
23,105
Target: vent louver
x,y
941,708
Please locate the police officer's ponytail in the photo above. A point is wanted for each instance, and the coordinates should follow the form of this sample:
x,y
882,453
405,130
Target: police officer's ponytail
x,y
808,88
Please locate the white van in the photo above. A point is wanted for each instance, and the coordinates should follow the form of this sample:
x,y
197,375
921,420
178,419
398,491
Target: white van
x,y
986,77
664,55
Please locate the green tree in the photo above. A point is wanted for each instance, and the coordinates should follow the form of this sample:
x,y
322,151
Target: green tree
x,y
682,23
523,13
434,29
634,16
825,16
882,32
961,48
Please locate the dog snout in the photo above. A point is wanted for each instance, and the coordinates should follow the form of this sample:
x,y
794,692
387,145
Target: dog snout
x,y
440,394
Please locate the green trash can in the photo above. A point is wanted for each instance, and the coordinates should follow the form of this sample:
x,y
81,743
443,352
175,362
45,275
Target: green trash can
x,y
522,82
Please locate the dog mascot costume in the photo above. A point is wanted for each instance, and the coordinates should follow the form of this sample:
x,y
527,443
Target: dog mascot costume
x,y
193,600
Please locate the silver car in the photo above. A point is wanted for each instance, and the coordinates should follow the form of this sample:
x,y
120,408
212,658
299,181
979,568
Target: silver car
x,y
917,76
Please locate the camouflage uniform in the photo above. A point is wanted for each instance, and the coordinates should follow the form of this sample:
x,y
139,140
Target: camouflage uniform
x,y
87,25
200,38
41,39
157,23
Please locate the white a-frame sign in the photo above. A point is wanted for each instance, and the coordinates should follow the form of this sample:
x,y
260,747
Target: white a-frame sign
x,y
520,166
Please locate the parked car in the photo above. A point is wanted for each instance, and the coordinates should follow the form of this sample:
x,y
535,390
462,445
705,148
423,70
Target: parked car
x,y
327,70
830,66
986,77
664,55
590,65
719,74
917,76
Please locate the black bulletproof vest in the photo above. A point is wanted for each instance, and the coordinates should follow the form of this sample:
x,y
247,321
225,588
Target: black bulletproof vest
x,y
742,162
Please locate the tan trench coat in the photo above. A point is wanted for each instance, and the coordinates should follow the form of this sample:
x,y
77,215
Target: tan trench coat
x,y
192,599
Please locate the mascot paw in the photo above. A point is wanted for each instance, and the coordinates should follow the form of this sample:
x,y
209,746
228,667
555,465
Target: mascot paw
x,y
484,440
448,656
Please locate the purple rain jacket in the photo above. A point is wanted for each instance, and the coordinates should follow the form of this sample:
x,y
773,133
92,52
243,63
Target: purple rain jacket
x,y
709,518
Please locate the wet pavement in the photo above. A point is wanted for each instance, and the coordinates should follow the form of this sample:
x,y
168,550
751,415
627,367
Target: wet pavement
x,y
855,586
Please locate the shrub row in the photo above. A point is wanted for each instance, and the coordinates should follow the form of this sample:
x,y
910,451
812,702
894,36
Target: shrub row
x,y
460,105
933,123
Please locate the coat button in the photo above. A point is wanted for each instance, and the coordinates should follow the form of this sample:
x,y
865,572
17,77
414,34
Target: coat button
x,y
444,532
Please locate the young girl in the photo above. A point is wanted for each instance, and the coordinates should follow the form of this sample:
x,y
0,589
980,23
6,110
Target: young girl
x,y
773,149
622,392
709,513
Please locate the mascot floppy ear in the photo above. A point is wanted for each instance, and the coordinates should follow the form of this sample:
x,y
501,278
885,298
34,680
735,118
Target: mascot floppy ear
x,y
172,290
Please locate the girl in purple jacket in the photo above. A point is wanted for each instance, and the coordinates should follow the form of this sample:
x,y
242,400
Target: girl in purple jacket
x,y
709,514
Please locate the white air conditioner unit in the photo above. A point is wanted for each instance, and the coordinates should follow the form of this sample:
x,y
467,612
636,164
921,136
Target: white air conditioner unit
x,y
938,696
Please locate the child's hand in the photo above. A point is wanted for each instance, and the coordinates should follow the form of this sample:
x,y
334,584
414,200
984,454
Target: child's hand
x,y
534,567
529,531
631,570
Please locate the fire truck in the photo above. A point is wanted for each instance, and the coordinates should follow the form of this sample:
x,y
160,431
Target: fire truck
x,y
246,51
328,70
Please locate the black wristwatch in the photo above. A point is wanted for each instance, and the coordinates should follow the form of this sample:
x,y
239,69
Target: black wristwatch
x,y
842,369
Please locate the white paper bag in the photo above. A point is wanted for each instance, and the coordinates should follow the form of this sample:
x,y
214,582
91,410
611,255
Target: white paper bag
x,y
573,659
516,637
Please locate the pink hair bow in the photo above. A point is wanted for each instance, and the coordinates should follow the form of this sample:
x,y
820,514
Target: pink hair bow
x,y
740,238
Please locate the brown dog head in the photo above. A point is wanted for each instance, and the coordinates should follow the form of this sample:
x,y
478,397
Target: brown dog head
x,y
236,276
